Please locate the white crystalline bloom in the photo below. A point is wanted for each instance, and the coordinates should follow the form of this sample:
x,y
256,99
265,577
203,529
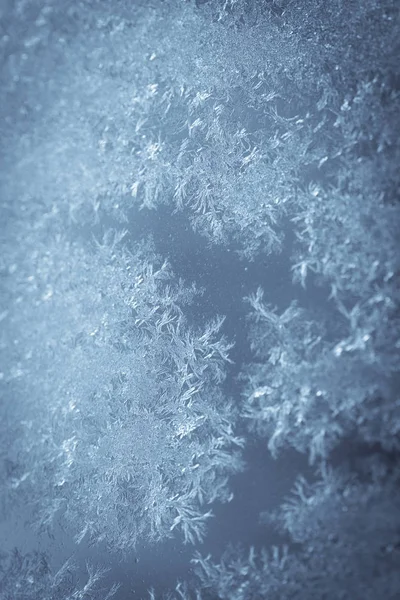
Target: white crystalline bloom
x,y
263,391
131,396
185,428
69,447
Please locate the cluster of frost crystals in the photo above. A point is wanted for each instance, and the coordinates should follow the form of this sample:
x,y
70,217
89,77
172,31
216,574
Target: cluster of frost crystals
x,y
137,107
322,377
29,577
343,544
252,118
125,431
311,385
326,377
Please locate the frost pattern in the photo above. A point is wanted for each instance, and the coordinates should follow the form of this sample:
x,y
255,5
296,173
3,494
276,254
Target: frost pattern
x,y
134,121
126,432
309,389
343,544
252,118
29,577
